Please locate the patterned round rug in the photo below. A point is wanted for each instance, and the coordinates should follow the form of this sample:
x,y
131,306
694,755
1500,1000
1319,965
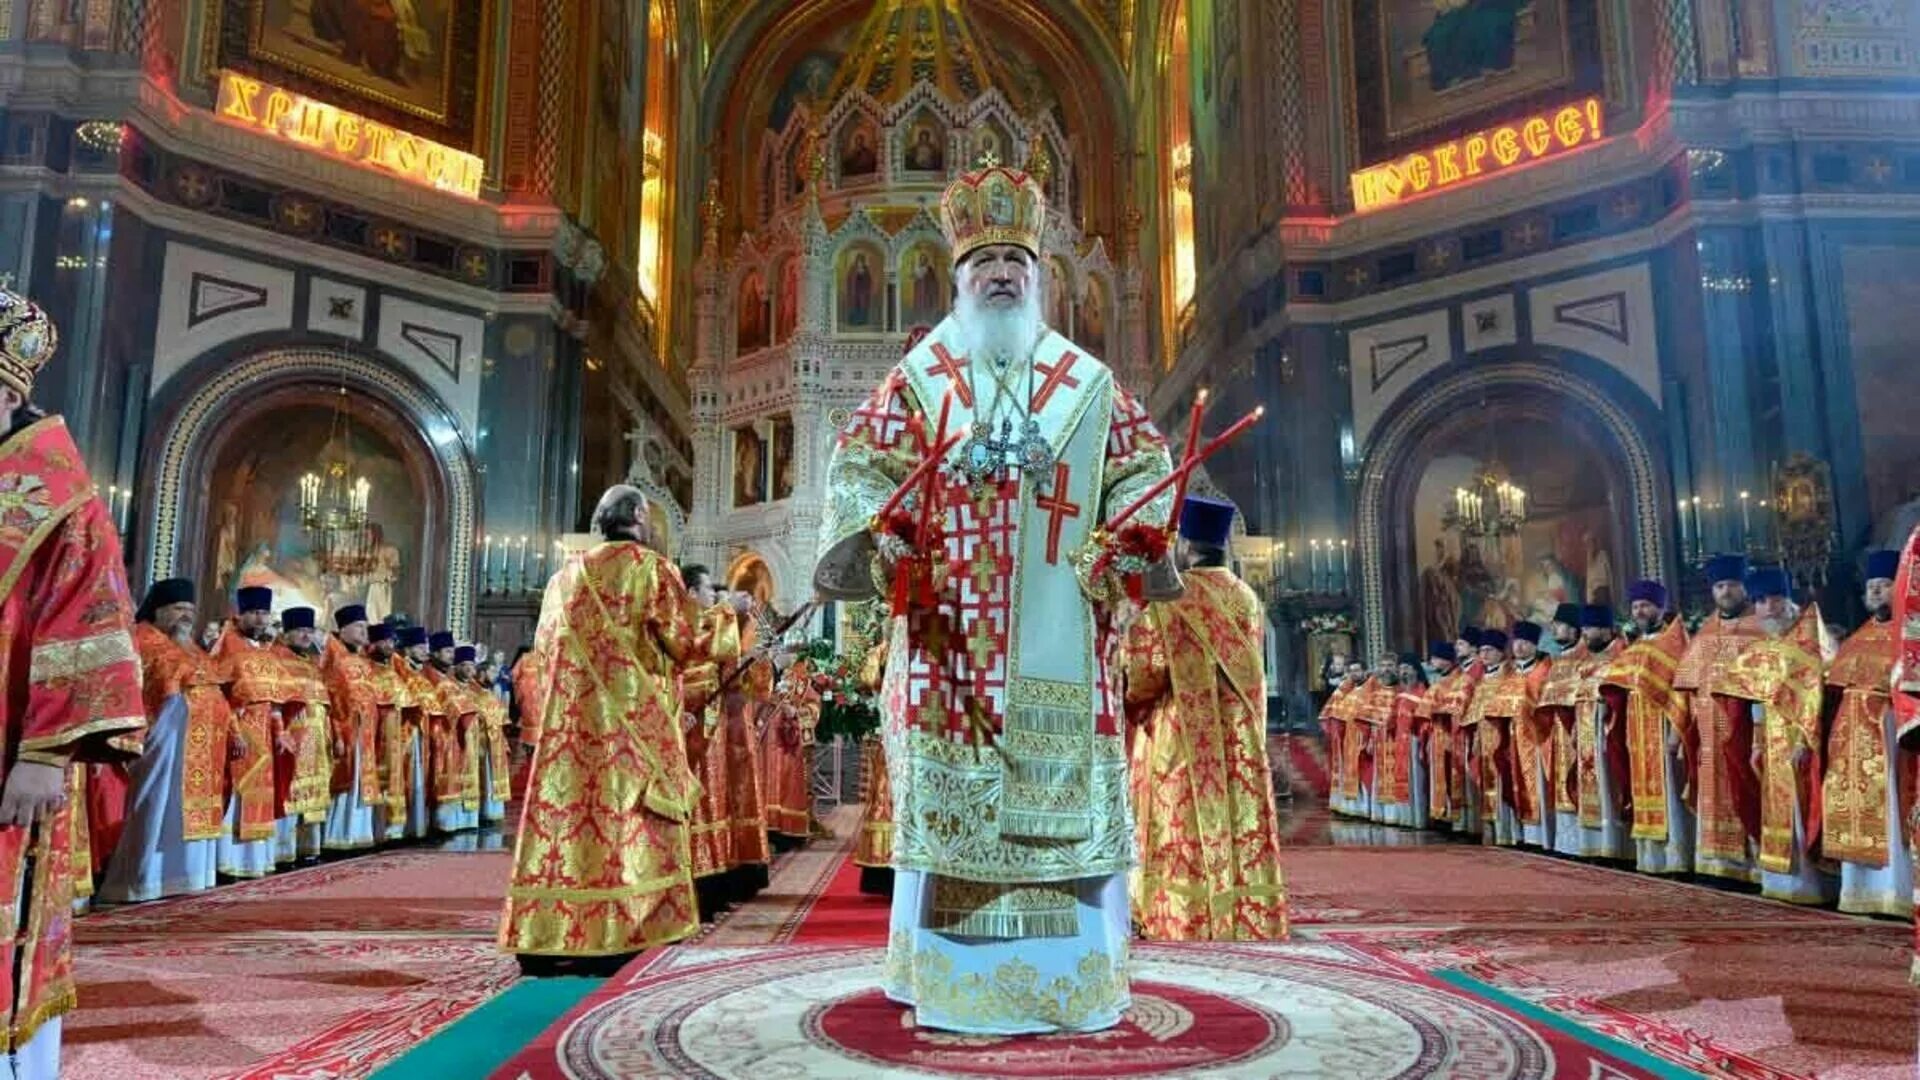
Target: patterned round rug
x,y
1215,1011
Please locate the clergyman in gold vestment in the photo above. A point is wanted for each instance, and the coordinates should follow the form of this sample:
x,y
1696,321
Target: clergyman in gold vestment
x,y
1204,820
601,866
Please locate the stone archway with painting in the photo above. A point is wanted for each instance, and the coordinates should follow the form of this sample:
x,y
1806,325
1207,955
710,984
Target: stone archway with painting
x,y
750,574
236,438
1576,444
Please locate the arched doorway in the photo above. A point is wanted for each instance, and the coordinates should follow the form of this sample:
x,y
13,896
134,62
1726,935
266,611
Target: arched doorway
x,y
233,439
1577,443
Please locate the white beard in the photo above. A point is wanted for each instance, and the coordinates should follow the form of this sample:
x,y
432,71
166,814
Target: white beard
x,y
987,332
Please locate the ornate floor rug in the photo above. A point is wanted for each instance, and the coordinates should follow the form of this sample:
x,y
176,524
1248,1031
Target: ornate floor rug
x,y
1306,1009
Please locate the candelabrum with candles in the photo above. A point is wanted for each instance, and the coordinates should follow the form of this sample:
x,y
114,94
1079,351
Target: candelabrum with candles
x,y
1319,568
1493,507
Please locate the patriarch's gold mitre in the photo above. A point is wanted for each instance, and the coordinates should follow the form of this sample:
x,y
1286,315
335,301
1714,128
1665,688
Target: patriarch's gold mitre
x,y
27,341
993,205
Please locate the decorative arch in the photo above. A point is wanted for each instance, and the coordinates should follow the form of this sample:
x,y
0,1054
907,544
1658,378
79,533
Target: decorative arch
x,y
198,405
749,572
1616,410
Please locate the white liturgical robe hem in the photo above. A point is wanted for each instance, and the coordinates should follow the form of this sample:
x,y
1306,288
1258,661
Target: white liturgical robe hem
x,y
1882,890
350,821
152,859
923,964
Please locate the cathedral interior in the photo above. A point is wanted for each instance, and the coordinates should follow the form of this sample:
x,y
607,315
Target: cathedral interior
x,y
367,301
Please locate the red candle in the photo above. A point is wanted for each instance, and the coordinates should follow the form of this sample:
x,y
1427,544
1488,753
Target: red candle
x,y
1186,455
1211,448
913,478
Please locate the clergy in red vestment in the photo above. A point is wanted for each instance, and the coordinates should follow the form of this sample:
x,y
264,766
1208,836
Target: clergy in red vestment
x,y
710,828
356,817
488,771
873,844
1490,779
1207,836
601,863
1777,681
745,702
787,749
303,775
410,790
1343,788
1864,818
444,744
1905,693
177,789
1005,728
72,685
262,691
1716,733
1442,707
1638,691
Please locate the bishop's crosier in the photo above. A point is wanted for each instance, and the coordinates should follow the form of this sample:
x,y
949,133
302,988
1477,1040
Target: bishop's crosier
x,y
1003,733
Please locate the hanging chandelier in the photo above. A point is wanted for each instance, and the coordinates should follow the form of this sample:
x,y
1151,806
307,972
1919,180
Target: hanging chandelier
x,y
1494,506
333,504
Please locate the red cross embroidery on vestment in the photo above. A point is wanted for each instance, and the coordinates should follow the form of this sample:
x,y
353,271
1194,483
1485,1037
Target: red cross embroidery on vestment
x,y
950,367
1056,377
1058,509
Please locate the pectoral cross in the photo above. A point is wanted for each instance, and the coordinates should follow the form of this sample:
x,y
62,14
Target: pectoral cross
x,y
1058,508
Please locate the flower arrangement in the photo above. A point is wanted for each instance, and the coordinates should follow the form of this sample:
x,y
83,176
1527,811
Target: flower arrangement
x,y
1333,623
846,707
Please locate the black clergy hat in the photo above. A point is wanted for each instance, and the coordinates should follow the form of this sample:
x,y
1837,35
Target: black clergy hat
x,y
349,615
409,636
163,593
1206,521
463,654
1596,616
380,631
1567,613
297,618
1530,631
1442,650
1649,590
441,639
253,598
1497,639
1726,568
1883,564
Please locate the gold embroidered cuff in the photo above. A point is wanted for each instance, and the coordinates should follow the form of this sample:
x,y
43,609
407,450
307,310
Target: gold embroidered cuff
x,y
45,757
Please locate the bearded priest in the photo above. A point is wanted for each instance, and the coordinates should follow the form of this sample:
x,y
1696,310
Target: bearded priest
x,y
1012,837
1207,831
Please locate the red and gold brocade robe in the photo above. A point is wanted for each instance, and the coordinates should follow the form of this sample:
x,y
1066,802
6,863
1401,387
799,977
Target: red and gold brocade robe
x,y
1608,740
601,865
1905,682
744,708
72,681
303,779
873,844
1443,707
1396,763
1554,713
1859,687
1003,718
1716,734
1366,712
454,779
356,693
1509,735
710,829
420,709
1206,832
1638,687
489,741
787,749
1783,676
263,690
1333,723
168,668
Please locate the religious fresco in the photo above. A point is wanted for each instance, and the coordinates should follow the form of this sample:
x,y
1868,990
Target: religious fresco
x,y
924,150
989,139
752,327
925,294
1059,287
1425,68
783,464
749,467
1886,382
797,166
786,301
256,538
809,80
1096,306
397,54
860,288
1564,553
859,150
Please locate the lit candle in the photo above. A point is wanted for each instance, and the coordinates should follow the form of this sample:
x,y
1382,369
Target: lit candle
x,y
1746,524
523,562
1685,545
1699,536
1313,566
486,563
1346,563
